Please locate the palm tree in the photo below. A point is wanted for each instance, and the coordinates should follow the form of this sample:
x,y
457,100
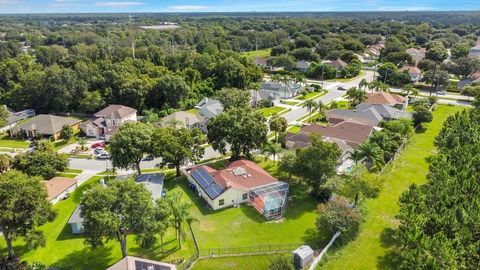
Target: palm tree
x,y
378,86
271,149
310,105
372,154
356,96
82,141
180,211
407,89
363,84
278,124
282,79
322,108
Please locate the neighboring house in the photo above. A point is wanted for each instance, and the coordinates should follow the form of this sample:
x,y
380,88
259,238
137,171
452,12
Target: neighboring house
x,y
153,182
257,96
348,135
338,64
185,120
59,188
45,125
368,116
387,112
373,51
280,91
417,54
107,121
303,66
261,62
242,181
414,72
474,77
76,221
474,52
134,263
209,108
384,98
14,118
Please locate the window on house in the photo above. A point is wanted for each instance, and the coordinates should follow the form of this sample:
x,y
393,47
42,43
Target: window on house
x,y
245,196
221,202
113,123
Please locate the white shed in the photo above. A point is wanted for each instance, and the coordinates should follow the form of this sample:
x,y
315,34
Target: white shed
x,y
302,256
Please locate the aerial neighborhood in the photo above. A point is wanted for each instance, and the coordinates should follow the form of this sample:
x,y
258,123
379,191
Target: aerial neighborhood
x,y
280,141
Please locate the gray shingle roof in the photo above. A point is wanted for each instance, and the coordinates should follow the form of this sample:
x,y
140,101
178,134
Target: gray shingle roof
x,y
369,116
117,111
387,112
210,107
47,124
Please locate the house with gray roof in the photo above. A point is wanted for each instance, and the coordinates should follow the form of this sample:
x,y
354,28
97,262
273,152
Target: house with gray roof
x,y
303,66
107,121
14,118
209,108
45,125
474,52
368,116
183,119
153,182
281,91
473,78
387,112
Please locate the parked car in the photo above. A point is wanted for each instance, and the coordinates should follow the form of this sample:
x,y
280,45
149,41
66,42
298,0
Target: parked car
x,y
103,156
442,93
99,150
341,88
98,144
148,158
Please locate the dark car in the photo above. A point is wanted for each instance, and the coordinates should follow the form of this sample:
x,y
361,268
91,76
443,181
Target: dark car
x,y
341,88
148,158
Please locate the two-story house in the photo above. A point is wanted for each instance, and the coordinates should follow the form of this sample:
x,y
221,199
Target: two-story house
x,y
107,121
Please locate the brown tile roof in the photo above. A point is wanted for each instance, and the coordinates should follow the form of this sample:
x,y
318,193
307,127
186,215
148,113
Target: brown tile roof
x,y
58,185
352,132
117,111
411,69
338,64
255,176
384,98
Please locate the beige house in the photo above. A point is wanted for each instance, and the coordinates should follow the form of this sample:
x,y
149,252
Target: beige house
x,y
59,188
183,119
107,121
45,125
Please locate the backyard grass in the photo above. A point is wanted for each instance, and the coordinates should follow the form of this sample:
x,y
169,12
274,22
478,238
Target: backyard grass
x,y
66,251
343,104
367,251
271,111
258,262
7,142
260,53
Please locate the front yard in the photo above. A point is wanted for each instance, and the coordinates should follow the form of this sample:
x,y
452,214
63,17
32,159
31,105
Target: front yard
x,y
311,95
374,240
7,142
267,112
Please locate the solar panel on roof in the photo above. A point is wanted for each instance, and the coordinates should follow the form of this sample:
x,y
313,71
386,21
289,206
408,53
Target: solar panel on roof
x,y
202,177
239,171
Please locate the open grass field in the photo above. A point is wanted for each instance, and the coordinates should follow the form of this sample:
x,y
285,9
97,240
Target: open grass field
x,y
259,262
260,53
267,112
67,251
7,142
374,240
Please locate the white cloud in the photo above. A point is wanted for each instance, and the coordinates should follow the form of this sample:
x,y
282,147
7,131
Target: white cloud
x,y
188,7
119,4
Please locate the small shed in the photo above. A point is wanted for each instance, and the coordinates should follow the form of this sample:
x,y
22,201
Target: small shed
x,y
302,256
76,221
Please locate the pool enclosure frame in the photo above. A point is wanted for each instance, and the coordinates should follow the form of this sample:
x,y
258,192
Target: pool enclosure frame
x,y
270,199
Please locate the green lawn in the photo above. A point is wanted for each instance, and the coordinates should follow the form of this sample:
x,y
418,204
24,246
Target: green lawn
x,y
193,111
7,142
294,129
291,103
311,95
70,170
374,239
260,53
343,104
271,111
66,175
258,262
67,251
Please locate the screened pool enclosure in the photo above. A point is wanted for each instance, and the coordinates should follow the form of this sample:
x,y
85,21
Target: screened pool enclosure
x,y
270,200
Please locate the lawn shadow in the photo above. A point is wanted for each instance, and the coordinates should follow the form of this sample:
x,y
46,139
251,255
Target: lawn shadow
x,y
420,130
252,214
387,238
390,259
97,259
314,238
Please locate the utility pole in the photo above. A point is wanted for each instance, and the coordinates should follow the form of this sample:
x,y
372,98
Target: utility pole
x,y
386,73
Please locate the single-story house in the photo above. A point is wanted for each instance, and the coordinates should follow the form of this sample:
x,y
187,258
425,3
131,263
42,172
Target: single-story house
x,y
384,98
261,62
135,263
59,188
387,112
209,108
414,72
153,182
303,66
14,118
474,52
373,51
76,221
107,121
417,54
184,119
242,181
369,116
474,77
338,64
348,135
46,125
280,91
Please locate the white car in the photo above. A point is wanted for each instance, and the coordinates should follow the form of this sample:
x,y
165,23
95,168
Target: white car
x,y
103,156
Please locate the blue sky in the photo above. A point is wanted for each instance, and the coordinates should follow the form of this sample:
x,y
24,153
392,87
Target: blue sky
x,y
54,6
